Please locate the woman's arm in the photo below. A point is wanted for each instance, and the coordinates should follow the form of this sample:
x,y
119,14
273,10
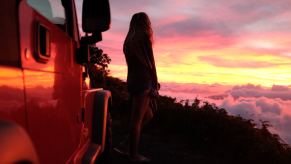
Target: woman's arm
x,y
149,56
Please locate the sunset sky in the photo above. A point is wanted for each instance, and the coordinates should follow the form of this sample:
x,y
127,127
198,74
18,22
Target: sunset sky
x,y
203,41
234,53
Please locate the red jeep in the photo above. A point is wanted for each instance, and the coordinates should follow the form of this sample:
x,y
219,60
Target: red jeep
x,y
48,114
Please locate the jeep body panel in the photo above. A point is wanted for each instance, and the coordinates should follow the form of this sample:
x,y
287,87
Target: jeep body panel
x,y
52,87
42,89
12,104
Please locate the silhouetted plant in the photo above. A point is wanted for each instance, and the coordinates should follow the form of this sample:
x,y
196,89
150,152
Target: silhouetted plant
x,y
99,58
98,66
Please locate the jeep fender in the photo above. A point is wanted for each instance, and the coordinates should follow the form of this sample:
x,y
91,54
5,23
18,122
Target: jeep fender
x,y
94,115
102,102
15,144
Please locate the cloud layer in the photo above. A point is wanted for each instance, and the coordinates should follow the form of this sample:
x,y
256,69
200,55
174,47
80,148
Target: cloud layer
x,y
256,91
249,101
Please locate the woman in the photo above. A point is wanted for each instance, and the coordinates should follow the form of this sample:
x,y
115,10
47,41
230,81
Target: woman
x,y
141,77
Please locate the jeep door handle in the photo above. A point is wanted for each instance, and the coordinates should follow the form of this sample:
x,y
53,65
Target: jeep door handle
x,y
43,43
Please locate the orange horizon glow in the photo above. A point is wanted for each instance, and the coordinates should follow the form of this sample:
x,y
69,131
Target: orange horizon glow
x,y
229,66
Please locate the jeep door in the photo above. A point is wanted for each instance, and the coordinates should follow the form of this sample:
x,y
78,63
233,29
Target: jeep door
x,y
48,40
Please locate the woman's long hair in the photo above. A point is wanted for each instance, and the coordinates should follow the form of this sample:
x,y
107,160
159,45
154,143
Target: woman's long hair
x,y
140,24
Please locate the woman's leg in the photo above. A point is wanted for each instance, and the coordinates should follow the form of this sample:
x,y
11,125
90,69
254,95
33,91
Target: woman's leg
x,y
147,116
140,105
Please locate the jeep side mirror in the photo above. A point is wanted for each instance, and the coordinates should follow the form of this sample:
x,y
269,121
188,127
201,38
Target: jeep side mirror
x,y
95,19
95,16
83,52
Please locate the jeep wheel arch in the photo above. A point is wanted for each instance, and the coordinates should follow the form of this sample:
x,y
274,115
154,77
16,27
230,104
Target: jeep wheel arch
x,y
15,144
102,102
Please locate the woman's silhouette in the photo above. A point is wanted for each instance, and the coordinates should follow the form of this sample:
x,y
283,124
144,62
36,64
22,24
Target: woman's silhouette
x,y
141,77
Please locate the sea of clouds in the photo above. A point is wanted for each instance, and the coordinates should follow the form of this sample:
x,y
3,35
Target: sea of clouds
x,y
249,101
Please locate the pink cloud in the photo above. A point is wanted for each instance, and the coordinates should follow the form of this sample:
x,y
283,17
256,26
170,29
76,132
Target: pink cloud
x,y
266,107
277,91
190,91
241,107
286,128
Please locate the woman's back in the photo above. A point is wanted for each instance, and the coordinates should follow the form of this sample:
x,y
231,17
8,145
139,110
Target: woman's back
x,y
137,52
